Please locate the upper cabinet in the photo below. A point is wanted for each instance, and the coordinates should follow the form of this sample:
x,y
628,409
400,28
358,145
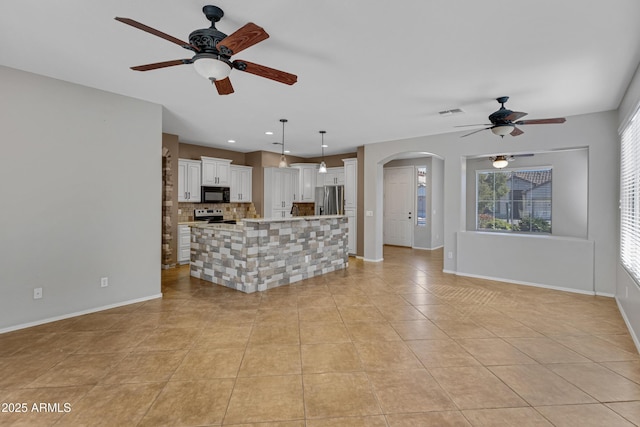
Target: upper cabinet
x,y
350,183
240,183
280,189
189,172
334,176
306,181
216,172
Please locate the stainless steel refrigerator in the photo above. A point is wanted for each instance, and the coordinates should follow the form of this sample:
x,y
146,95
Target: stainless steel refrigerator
x,y
330,200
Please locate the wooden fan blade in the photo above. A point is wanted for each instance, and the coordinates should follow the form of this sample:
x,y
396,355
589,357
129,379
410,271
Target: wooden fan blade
x,y
262,71
157,65
224,86
515,115
475,131
157,33
516,132
243,38
541,121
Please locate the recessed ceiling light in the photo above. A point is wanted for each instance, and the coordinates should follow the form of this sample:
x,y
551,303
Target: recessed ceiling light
x,y
231,141
268,132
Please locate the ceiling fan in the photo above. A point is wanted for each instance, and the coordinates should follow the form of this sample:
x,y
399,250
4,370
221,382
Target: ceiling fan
x,y
502,121
213,50
502,160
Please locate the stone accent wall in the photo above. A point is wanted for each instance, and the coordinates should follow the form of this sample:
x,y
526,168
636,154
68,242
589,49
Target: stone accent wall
x,y
261,255
167,203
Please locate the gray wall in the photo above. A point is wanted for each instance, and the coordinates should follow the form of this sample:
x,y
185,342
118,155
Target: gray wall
x,y
596,132
627,289
80,183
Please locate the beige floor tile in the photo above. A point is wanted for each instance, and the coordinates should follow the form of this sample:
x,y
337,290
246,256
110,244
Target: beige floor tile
x,y
583,416
505,327
95,322
323,332
168,339
409,391
545,350
629,410
305,301
261,399
596,349
81,369
441,353
371,421
623,341
298,423
418,330
111,405
277,314
539,386
260,360
521,417
330,357
145,367
224,336
475,388
439,312
598,381
439,419
61,342
12,342
495,351
364,313
62,398
115,341
319,314
339,395
386,355
209,363
275,333
190,403
372,331
347,300
462,328
405,312
14,375
630,369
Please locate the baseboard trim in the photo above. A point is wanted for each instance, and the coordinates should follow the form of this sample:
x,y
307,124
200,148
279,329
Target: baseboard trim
x,y
633,334
78,313
426,249
605,294
519,282
373,260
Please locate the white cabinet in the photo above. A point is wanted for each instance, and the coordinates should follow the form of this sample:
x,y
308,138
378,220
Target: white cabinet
x,y
350,183
334,176
184,244
215,172
280,188
240,183
189,172
351,201
306,181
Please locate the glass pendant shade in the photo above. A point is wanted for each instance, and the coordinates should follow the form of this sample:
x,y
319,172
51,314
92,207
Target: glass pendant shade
x,y
283,162
500,162
283,159
323,167
211,68
502,130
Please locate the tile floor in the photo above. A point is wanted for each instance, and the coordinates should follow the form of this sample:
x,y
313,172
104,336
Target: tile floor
x,y
396,343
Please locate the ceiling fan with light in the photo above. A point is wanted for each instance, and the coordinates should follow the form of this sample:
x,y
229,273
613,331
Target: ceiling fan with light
x,y
213,50
504,121
502,160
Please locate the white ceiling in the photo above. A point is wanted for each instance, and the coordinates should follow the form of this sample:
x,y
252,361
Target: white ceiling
x,y
368,70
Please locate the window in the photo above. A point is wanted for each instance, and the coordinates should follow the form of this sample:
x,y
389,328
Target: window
x,y
421,196
514,201
630,196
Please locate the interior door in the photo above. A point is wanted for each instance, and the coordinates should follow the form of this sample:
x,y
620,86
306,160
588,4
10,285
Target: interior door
x,y
398,206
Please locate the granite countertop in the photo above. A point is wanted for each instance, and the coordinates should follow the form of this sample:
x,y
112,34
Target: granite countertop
x,y
293,218
192,223
218,225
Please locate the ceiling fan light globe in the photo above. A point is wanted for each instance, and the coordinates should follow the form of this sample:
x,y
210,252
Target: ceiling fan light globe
x,y
500,162
502,130
211,68
323,167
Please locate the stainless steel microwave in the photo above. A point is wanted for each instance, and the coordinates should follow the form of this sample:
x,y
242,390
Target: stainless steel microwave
x,y
215,194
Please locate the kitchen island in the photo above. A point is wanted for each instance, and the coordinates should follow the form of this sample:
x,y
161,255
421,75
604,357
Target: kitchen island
x,y
260,254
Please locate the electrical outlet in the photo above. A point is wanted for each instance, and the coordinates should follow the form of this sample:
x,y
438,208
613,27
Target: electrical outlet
x,y
104,282
37,293
450,255
369,213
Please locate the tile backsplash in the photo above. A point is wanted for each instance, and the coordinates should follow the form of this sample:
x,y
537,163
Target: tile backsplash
x,y
229,210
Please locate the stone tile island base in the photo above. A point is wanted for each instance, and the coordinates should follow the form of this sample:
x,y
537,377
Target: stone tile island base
x,y
261,254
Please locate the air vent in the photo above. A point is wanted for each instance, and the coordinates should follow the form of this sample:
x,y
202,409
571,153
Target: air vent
x,y
450,112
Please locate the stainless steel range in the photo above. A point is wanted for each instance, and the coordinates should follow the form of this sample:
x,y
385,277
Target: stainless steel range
x,y
212,216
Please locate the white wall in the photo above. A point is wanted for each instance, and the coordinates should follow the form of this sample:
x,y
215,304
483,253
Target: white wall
x,y
596,132
80,184
627,290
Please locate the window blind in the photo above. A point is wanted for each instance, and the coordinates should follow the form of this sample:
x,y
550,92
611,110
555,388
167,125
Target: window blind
x,y
630,196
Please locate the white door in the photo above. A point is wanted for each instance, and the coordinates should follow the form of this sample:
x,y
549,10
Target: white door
x,y
398,206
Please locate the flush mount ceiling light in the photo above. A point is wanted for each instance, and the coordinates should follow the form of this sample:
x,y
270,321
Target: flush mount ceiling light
x,y
283,159
323,165
500,162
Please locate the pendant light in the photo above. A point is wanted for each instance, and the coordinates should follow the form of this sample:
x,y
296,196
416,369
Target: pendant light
x,y
283,159
323,165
